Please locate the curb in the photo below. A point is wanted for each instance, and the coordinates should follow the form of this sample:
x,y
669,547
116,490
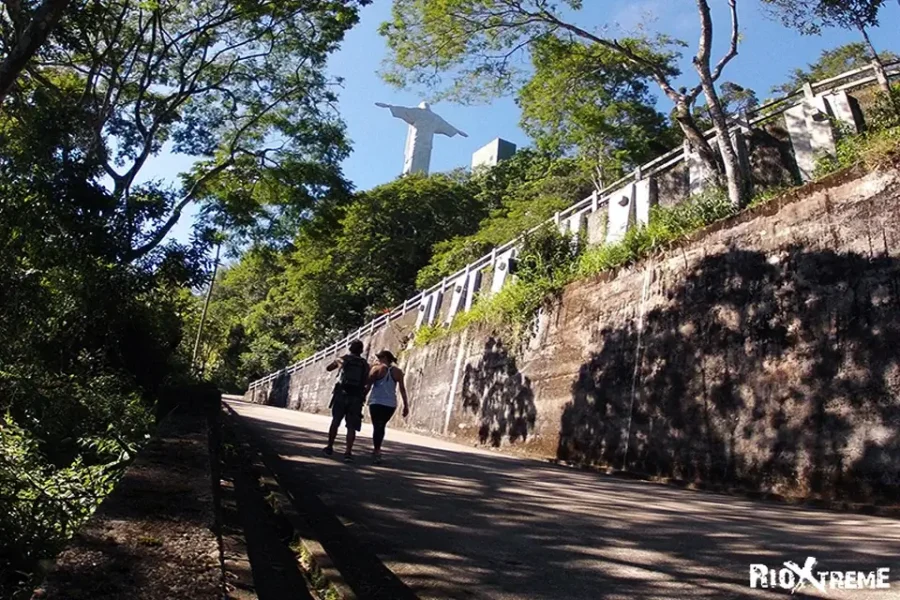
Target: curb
x,y
349,558
318,563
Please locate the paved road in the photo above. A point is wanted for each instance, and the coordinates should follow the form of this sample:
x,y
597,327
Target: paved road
x,y
457,522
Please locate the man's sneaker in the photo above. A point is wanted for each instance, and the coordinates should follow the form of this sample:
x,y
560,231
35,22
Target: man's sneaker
x,y
376,458
348,458
328,450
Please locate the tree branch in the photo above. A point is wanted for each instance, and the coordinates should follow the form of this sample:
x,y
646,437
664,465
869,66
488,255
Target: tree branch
x,y
656,71
29,42
189,197
735,37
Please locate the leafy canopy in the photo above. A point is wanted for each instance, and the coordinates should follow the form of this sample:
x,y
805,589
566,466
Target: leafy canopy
x,y
588,101
240,86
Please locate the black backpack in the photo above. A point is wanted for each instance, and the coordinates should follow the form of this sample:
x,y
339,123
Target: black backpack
x,y
354,373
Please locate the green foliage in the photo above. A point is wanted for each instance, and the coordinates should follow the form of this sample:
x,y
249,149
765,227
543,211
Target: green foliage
x,y
95,301
871,148
240,86
764,196
667,226
520,193
832,63
428,333
42,505
885,111
547,261
809,17
468,49
590,102
273,308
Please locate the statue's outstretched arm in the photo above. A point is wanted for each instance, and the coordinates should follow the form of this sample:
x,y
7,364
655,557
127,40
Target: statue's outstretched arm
x,y
445,128
401,112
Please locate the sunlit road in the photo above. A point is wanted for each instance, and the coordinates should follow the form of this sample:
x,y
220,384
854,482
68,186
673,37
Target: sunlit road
x,y
456,522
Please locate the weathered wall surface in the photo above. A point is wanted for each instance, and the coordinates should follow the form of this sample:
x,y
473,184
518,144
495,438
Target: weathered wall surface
x,y
765,353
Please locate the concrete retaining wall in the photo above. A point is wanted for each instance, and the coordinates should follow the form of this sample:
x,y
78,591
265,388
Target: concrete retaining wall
x,y
762,354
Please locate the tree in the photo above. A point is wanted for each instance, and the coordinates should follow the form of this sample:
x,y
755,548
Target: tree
x,y
93,308
241,86
344,266
588,101
473,41
23,30
519,194
811,16
737,100
832,63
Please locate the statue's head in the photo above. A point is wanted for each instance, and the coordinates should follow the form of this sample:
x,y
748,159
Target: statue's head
x,y
425,105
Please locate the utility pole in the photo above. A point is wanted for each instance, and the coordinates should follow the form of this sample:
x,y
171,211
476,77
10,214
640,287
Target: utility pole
x,y
212,282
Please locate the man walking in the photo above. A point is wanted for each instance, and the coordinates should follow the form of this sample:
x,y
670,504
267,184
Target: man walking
x,y
348,397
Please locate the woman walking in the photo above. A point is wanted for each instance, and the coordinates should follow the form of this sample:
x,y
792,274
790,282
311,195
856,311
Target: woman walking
x,y
385,378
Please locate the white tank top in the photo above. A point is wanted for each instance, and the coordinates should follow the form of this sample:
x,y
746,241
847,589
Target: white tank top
x,y
384,391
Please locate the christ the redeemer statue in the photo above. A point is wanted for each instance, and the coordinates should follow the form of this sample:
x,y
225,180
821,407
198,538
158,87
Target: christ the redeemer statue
x,y
423,124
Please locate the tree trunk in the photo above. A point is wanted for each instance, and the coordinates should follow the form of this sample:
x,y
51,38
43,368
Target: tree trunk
x,y
735,178
880,73
695,138
29,42
212,282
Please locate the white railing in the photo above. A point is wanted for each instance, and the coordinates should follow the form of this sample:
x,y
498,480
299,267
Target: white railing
x,y
850,80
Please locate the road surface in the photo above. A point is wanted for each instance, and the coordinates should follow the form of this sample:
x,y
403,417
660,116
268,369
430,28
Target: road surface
x,y
457,522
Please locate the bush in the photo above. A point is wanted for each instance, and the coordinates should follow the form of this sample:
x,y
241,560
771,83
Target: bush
x,y
885,112
428,333
870,148
666,226
549,260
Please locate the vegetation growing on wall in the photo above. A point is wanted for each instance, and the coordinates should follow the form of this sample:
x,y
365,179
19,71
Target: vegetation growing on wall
x,y
550,260
514,308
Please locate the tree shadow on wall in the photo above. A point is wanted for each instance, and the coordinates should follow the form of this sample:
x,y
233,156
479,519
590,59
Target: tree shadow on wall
x,y
779,373
500,395
280,391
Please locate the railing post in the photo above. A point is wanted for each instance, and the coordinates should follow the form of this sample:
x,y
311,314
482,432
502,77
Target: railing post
x,y
880,74
595,201
808,93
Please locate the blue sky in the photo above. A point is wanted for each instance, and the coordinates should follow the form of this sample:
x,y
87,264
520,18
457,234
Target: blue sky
x,y
768,53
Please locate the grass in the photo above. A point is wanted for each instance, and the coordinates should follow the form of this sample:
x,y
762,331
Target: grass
x,y
871,149
148,540
428,333
512,311
320,585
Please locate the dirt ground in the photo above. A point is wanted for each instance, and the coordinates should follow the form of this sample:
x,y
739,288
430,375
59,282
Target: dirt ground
x,y
153,538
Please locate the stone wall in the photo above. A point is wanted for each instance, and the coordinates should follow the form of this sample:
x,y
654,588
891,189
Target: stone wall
x,y
763,353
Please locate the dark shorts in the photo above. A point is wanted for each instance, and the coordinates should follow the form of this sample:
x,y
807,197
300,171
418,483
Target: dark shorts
x,y
348,408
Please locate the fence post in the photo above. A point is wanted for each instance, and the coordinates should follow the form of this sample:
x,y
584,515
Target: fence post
x,y
880,73
808,93
595,201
